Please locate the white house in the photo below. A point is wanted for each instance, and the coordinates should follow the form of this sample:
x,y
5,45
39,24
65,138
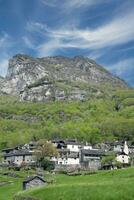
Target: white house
x,y
123,157
73,146
87,146
66,157
67,161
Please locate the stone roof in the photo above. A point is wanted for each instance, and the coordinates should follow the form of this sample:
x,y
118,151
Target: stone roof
x,y
118,143
63,150
17,153
73,142
122,153
10,149
73,155
30,178
93,152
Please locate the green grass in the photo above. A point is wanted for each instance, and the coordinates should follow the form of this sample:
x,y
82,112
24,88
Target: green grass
x,y
110,185
13,184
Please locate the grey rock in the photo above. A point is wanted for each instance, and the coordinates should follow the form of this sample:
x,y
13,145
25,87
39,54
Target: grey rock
x,y
56,78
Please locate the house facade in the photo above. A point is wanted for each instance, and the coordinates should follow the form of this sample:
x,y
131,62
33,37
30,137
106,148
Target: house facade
x,y
123,156
91,158
72,154
19,157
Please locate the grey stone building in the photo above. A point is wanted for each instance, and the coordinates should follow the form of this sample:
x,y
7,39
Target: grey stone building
x,y
91,159
33,181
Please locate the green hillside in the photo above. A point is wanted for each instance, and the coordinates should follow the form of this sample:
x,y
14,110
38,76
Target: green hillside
x,y
102,118
110,185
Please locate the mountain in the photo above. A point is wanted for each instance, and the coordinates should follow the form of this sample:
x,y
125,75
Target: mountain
x,y
57,78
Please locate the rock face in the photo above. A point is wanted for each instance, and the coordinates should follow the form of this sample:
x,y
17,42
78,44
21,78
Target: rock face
x,y
56,78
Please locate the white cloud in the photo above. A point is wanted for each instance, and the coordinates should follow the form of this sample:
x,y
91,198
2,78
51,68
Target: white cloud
x,y
35,26
118,31
28,42
124,69
73,4
49,3
4,38
49,48
6,43
3,66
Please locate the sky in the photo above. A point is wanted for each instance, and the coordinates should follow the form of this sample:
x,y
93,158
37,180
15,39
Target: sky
x,y
99,29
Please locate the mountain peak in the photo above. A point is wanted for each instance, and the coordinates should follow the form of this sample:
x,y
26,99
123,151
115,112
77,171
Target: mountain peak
x,y
57,77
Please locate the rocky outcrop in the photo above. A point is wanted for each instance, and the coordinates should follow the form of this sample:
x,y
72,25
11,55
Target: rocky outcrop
x,y
57,78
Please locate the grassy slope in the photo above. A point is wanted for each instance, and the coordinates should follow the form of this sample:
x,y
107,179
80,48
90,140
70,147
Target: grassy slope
x,y
15,184
93,120
110,185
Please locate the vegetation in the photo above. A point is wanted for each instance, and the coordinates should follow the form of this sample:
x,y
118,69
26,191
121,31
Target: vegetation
x,y
110,185
44,152
102,118
11,181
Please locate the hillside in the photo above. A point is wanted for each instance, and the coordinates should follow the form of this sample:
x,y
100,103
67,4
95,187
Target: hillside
x,y
110,185
108,117
58,78
61,97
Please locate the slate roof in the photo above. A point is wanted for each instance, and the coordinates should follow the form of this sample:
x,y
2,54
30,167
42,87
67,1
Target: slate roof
x,y
63,150
32,178
73,142
9,149
17,153
121,143
122,153
98,152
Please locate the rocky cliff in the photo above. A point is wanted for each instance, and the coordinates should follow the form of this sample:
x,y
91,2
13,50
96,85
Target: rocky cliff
x,y
57,78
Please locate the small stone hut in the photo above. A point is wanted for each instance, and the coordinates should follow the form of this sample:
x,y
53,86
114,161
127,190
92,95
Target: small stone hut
x,y
33,181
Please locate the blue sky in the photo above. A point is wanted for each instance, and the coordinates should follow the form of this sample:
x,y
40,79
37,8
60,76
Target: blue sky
x,y
100,29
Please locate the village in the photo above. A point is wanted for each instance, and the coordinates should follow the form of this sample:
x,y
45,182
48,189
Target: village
x,y
73,155
70,156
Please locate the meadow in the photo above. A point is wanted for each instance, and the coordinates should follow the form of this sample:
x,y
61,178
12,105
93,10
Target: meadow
x,y
108,185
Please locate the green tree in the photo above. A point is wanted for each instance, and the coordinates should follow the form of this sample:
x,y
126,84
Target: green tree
x,y
45,150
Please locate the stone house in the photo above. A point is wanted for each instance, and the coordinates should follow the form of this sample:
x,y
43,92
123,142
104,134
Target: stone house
x,y
19,157
91,158
73,154
33,181
118,146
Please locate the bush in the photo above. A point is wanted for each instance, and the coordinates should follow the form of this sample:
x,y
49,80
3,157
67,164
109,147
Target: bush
x,y
47,165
